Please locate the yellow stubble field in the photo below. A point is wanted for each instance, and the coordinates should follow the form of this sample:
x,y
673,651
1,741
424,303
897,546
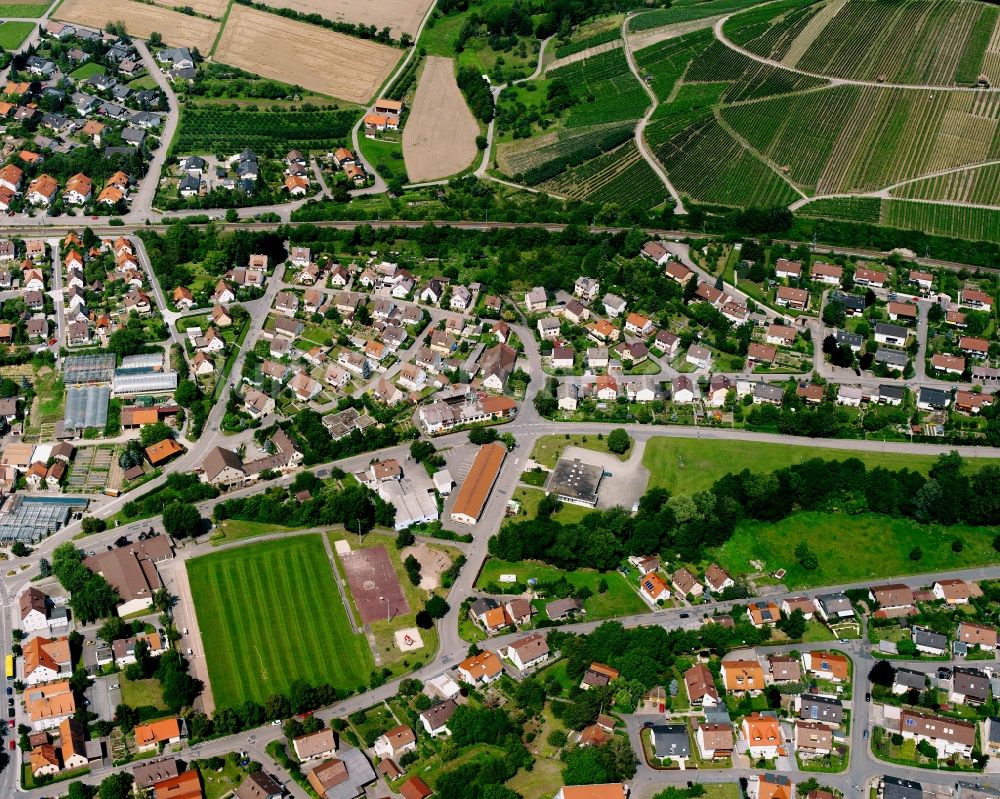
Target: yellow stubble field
x,y
400,16
301,54
141,20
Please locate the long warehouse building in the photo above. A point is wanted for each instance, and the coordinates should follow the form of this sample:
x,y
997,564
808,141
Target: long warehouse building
x,y
478,484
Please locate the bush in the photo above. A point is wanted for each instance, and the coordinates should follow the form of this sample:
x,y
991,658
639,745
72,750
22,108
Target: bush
x,y
916,553
619,441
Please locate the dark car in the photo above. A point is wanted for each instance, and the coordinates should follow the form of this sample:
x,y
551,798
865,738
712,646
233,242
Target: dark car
x,y
10,691
685,615
868,697
10,714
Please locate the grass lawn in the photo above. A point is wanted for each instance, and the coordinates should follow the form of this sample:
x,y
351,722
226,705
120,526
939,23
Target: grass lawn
x,y
144,695
261,606
548,448
23,10
721,790
86,70
145,82
544,779
235,529
854,548
686,465
816,632
13,34
531,497
221,782
620,599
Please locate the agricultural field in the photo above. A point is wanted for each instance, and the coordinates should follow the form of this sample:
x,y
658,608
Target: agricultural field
x,y
667,61
534,159
13,34
400,16
606,89
24,10
685,12
854,209
221,130
621,177
854,139
258,641
322,60
607,102
937,43
705,162
979,185
686,466
141,20
976,224
439,138
206,8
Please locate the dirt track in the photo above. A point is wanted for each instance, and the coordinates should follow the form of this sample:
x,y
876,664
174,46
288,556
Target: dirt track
x,y
439,138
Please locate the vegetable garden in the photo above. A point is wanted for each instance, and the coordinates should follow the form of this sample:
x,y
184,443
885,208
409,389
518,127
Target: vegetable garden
x,y
220,130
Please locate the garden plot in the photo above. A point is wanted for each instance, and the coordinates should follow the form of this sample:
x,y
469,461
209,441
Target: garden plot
x,y
301,54
141,20
400,16
91,469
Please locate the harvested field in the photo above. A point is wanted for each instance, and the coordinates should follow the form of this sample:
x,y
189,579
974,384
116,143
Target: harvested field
x,y
321,60
141,20
401,16
210,8
440,135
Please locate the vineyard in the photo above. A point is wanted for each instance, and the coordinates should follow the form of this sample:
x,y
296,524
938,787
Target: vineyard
x,y
666,61
534,160
607,90
937,42
854,209
750,79
975,224
579,45
621,177
684,12
847,139
218,130
693,104
706,163
978,185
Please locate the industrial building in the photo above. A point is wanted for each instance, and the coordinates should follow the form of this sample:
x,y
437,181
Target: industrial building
x,y
575,482
478,484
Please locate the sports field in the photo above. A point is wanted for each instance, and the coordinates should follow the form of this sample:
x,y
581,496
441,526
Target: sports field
x,y
687,465
270,613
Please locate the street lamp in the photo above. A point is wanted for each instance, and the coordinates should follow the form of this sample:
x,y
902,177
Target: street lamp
x,y
387,606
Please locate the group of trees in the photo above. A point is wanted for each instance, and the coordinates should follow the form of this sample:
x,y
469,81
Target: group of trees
x,y
354,506
179,487
91,597
318,447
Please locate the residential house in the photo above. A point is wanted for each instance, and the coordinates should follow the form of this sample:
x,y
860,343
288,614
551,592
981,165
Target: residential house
x,y
158,734
762,735
929,642
638,325
396,742
834,608
496,367
536,299
46,659
796,299
802,603
784,669
763,613
49,705
700,686
870,277
830,666
654,588
684,583
480,669
585,288
969,687
34,607
671,742
743,676
614,306
893,335
812,739
717,579
714,739
788,269
435,719
548,328
315,745
948,736
829,274
980,635
816,707
528,652
895,599
598,675
699,356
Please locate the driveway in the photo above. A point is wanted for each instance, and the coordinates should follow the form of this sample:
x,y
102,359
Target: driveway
x,y
104,695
